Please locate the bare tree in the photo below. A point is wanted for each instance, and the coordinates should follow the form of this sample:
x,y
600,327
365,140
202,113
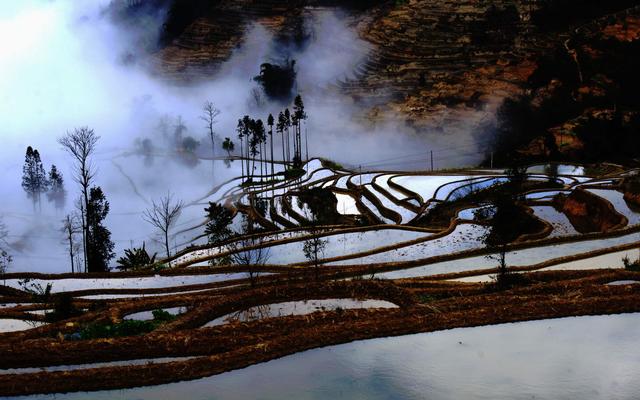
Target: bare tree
x,y
209,115
81,144
249,251
163,216
70,227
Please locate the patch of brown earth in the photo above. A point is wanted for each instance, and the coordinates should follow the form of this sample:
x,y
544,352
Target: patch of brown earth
x,y
588,212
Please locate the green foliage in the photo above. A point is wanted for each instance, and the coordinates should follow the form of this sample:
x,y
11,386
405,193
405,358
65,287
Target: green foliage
x,y
135,258
162,316
126,327
331,164
159,267
99,244
220,218
294,173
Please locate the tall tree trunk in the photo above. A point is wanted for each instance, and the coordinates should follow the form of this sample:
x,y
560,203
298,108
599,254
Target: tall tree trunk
x,y
306,143
288,147
71,250
166,243
261,163
283,156
271,137
241,158
85,244
213,153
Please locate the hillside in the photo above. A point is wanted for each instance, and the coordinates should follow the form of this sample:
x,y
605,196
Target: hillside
x,y
434,64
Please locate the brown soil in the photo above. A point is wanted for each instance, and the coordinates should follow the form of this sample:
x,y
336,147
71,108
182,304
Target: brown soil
x,y
588,212
547,295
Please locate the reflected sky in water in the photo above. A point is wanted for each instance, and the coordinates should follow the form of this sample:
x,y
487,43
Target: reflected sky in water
x,y
571,358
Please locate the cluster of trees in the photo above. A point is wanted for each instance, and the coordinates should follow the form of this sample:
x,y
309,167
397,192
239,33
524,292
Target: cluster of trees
x,y
173,134
92,205
254,137
277,80
246,251
36,182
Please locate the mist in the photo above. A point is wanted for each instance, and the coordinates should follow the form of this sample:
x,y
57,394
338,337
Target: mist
x,y
65,64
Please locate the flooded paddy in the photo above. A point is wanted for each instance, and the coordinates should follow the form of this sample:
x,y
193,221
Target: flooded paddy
x,y
581,357
297,308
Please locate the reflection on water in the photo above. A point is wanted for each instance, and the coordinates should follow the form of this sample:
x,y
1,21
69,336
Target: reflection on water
x,y
297,308
14,325
571,358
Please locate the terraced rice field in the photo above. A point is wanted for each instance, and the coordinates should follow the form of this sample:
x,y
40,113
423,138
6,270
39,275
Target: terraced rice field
x,y
378,258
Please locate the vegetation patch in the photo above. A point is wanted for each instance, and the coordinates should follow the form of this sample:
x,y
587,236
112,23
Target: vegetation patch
x,y
123,328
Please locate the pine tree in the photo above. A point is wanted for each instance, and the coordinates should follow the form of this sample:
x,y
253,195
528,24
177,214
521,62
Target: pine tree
x,y
287,126
270,123
260,135
240,131
34,178
299,115
28,176
280,128
254,143
246,132
220,219
40,178
56,193
99,244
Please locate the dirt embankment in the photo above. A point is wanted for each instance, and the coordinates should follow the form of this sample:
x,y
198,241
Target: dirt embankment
x,y
549,294
588,212
631,190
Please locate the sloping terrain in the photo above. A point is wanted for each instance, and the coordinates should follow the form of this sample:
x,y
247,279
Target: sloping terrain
x,y
434,64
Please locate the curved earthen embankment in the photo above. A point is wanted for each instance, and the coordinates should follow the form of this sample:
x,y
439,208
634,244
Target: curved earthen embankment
x,y
225,348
